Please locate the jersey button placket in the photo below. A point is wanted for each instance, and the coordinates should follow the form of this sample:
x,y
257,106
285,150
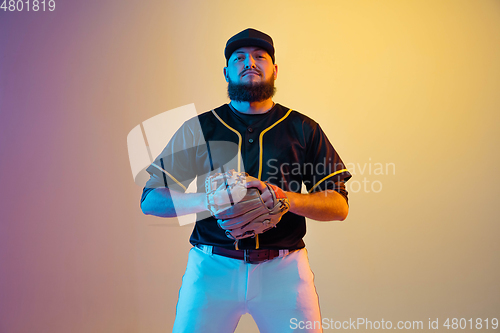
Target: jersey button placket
x,y
251,131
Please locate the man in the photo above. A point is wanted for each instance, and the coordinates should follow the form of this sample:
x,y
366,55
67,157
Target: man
x,y
274,144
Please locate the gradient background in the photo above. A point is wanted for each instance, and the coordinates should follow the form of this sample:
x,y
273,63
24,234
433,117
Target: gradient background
x,y
414,83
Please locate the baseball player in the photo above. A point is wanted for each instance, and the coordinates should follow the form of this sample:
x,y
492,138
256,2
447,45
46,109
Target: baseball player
x,y
248,255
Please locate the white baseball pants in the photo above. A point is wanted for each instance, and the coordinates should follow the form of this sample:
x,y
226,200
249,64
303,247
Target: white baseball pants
x,y
216,291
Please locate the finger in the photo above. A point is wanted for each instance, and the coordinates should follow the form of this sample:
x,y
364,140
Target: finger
x,y
266,196
257,184
250,178
269,203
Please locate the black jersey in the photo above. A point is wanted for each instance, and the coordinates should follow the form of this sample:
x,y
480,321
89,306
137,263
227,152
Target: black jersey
x,y
283,147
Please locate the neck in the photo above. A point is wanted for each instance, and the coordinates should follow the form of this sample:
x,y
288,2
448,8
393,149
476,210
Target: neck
x,y
253,107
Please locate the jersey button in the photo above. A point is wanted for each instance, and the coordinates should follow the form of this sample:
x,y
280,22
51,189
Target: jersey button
x,y
250,129
250,140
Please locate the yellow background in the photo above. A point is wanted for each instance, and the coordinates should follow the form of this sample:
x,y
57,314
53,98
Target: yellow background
x,y
409,83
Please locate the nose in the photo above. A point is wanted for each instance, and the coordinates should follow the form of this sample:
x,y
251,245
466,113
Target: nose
x,y
249,62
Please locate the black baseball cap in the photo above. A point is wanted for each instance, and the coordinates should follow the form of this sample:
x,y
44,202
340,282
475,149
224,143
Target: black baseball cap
x,y
249,37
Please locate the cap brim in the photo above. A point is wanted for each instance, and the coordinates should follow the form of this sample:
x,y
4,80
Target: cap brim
x,y
249,42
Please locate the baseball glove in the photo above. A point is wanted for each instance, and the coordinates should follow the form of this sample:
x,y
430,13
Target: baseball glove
x,y
241,212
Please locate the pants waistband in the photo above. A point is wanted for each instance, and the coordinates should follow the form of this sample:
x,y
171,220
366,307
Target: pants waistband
x,y
248,256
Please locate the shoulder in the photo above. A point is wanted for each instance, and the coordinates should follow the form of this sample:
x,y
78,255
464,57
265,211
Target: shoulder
x,y
297,118
207,117
296,115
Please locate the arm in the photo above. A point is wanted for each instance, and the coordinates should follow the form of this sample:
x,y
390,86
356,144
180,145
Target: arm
x,y
320,206
163,202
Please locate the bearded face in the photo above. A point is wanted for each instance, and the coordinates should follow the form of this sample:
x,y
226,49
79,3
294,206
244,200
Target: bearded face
x,y
251,91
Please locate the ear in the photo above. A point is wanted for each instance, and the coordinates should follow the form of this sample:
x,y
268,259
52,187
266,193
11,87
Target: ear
x,y
275,71
225,74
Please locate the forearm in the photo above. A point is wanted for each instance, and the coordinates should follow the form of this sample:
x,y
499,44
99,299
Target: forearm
x,y
320,206
167,203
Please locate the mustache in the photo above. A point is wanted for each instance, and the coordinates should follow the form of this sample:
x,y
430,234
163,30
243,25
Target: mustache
x,y
250,70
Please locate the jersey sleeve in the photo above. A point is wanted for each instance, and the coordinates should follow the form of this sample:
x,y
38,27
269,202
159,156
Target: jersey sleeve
x,y
175,166
324,169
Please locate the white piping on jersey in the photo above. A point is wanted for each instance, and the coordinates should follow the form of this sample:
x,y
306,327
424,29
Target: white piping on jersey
x,y
261,149
330,175
261,152
260,140
237,133
257,245
168,174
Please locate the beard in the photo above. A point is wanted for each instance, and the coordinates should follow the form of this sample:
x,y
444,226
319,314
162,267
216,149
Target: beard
x,y
251,92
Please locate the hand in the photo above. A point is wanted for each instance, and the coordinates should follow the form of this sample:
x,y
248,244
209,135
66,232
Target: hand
x,y
260,210
263,189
